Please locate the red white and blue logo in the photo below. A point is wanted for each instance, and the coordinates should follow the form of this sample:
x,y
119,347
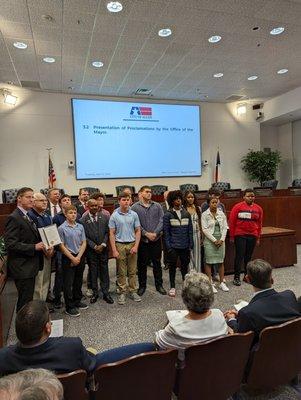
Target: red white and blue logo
x,y
141,112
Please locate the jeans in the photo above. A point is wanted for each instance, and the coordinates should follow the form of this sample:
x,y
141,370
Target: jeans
x,y
244,247
150,251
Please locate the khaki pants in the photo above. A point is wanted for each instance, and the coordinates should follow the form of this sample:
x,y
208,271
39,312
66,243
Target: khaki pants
x,y
42,281
126,268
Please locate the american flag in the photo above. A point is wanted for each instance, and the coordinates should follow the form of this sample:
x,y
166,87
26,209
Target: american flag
x,y
217,169
51,174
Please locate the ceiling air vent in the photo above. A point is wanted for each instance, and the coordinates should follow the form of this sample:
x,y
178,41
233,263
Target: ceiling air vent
x,y
31,84
235,97
143,92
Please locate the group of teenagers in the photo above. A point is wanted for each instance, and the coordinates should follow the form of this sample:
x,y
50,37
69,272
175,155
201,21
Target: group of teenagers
x,y
192,238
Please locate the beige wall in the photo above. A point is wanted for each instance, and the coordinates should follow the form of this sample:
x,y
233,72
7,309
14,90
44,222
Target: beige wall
x,y
42,120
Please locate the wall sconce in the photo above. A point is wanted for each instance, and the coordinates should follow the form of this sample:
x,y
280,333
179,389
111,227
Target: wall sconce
x,y
9,98
241,109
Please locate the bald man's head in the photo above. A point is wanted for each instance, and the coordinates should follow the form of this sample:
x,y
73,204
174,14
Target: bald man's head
x,y
39,202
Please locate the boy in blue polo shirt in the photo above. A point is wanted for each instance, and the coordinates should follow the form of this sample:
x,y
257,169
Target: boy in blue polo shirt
x,y
125,235
73,263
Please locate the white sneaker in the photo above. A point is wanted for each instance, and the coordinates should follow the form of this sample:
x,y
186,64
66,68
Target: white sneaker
x,y
214,289
224,287
89,293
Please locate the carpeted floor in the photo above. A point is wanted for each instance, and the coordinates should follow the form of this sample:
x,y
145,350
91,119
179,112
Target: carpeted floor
x,y
104,326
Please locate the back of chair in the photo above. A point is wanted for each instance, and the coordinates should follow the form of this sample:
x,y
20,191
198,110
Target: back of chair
x,y
74,384
272,184
296,183
46,190
92,190
158,190
278,358
147,376
214,369
189,186
221,185
119,189
9,195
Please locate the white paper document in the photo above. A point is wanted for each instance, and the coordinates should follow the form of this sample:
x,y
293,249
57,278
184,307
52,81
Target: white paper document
x,y
50,236
57,329
240,305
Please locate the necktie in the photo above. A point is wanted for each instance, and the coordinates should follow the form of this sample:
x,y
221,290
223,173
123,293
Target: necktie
x,y
54,210
94,219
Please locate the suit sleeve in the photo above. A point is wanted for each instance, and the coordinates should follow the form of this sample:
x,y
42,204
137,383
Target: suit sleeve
x,y
13,240
106,235
90,242
88,360
242,324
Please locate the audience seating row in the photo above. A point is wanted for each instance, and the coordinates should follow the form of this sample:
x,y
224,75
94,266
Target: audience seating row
x,y
213,370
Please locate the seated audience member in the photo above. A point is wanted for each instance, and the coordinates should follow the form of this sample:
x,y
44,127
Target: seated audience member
x,y
96,227
35,349
37,384
81,204
200,323
41,219
53,207
267,307
72,247
178,236
213,192
214,226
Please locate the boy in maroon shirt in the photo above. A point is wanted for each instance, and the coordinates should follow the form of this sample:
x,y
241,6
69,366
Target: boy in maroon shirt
x,y
245,223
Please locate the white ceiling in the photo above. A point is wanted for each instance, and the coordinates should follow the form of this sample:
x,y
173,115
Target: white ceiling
x,y
177,67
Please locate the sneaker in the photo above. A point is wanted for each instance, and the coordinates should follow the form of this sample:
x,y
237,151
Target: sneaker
x,y
134,296
172,292
57,304
82,306
236,282
89,293
224,287
121,299
72,312
214,289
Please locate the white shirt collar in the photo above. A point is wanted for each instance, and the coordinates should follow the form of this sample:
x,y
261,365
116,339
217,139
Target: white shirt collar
x,y
261,291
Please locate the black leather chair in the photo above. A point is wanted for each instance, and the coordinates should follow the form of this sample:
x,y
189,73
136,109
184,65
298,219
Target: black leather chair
x,y
92,190
189,186
158,190
120,188
9,195
296,183
46,190
221,186
272,184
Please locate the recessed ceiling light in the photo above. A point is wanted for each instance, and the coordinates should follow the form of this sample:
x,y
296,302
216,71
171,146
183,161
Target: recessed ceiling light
x,y
49,60
282,71
165,32
114,6
97,64
277,31
214,39
218,75
252,77
20,45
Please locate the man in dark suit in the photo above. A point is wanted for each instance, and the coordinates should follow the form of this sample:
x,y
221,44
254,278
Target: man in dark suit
x,y
96,229
24,247
53,206
81,204
267,307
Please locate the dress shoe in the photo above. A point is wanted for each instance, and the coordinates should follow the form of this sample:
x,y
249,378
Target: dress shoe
x,y
141,291
93,299
161,290
108,299
236,282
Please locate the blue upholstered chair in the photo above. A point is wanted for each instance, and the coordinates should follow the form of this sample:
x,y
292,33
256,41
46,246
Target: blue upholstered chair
x,y
189,186
296,183
158,190
120,188
272,184
221,185
9,195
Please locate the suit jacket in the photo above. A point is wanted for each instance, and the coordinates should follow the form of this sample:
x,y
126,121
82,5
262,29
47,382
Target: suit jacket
x,y
20,237
58,354
96,233
80,208
266,309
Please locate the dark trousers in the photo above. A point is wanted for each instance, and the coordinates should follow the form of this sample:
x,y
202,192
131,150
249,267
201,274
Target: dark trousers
x,y
98,268
58,279
173,255
244,247
72,281
25,288
150,252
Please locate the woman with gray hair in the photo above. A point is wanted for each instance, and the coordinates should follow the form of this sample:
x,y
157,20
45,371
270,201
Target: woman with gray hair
x,y
199,323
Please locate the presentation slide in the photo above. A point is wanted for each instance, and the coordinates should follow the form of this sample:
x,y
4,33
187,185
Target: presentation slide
x,y
115,139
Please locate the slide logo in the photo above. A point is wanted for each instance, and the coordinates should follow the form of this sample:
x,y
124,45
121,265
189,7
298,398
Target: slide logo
x,y
141,112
